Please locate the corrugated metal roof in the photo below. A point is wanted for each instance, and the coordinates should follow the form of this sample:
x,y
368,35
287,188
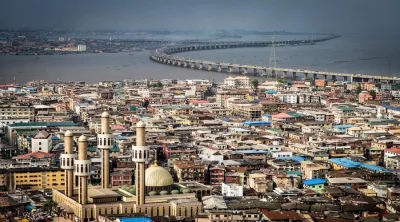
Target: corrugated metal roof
x,y
316,181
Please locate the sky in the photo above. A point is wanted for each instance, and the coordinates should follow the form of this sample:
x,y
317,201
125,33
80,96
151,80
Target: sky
x,y
339,16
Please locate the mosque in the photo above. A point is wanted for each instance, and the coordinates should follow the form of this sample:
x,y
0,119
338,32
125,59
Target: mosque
x,y
154,192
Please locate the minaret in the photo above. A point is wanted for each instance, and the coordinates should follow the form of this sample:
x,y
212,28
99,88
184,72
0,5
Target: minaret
x,y
140,155
67,163
82,169
104,143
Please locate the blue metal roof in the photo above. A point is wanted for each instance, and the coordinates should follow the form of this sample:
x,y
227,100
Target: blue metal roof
x,y
396,108
349,164
122,138
293,172
259,123
313,182
295,158
374,168
345,162
135,219
55,138
342,126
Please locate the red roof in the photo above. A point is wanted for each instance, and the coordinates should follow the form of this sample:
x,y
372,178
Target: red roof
x,y
280,215
37,154
195,102
393,150
282,115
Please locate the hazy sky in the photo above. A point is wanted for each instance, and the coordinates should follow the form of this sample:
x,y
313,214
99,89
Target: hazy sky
x,y
340,16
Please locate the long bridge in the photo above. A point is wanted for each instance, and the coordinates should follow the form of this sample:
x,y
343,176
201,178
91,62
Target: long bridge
x,y
165,55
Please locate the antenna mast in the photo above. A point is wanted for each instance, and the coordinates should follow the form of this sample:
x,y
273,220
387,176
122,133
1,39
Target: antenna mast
x,y
272,59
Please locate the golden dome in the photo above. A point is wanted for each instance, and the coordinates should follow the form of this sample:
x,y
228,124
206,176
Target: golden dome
x,y
157,176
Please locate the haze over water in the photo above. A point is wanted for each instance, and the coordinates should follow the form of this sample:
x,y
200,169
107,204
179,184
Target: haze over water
x,y
350,53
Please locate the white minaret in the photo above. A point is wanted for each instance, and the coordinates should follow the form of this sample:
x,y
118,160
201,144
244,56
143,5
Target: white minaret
x,y
140,156
82,169
67,163
105,143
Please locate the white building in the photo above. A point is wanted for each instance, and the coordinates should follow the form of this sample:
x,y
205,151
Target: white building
x,y
232,190
42,142
288,98
238,82
211,155
282,154
81,48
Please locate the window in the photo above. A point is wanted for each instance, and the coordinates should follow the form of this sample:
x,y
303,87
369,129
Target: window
x,y
40,143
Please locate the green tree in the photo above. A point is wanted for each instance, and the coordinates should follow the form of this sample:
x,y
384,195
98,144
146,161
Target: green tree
x,y
358,89
373,94
280,81
159,85
255,83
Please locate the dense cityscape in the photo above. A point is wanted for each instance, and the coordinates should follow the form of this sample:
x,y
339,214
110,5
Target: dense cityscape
x,y
203,111
240,149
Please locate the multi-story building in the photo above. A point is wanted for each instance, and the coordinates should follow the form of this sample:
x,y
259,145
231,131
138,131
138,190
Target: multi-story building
x,y
35,159
120,178
37,178
248,110
42,142
223,96
231,190
312,170
173,149
291,98
238,82
353,182
16,114
189,171
216,174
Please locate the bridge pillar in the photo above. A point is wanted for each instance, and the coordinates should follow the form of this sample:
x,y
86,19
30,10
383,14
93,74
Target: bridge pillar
x,y
200,65
219,69
244,70
230,69
345,78
294,75
255,71
185,64
169,61
325,77
315,76
333,77
284,74
305,75
273,73
264,72
209,67
192,65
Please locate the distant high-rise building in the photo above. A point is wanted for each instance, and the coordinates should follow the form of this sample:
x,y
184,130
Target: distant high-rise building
x,y
81,48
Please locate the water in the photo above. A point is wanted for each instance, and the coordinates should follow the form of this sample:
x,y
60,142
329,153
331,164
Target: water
x,y
351,53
